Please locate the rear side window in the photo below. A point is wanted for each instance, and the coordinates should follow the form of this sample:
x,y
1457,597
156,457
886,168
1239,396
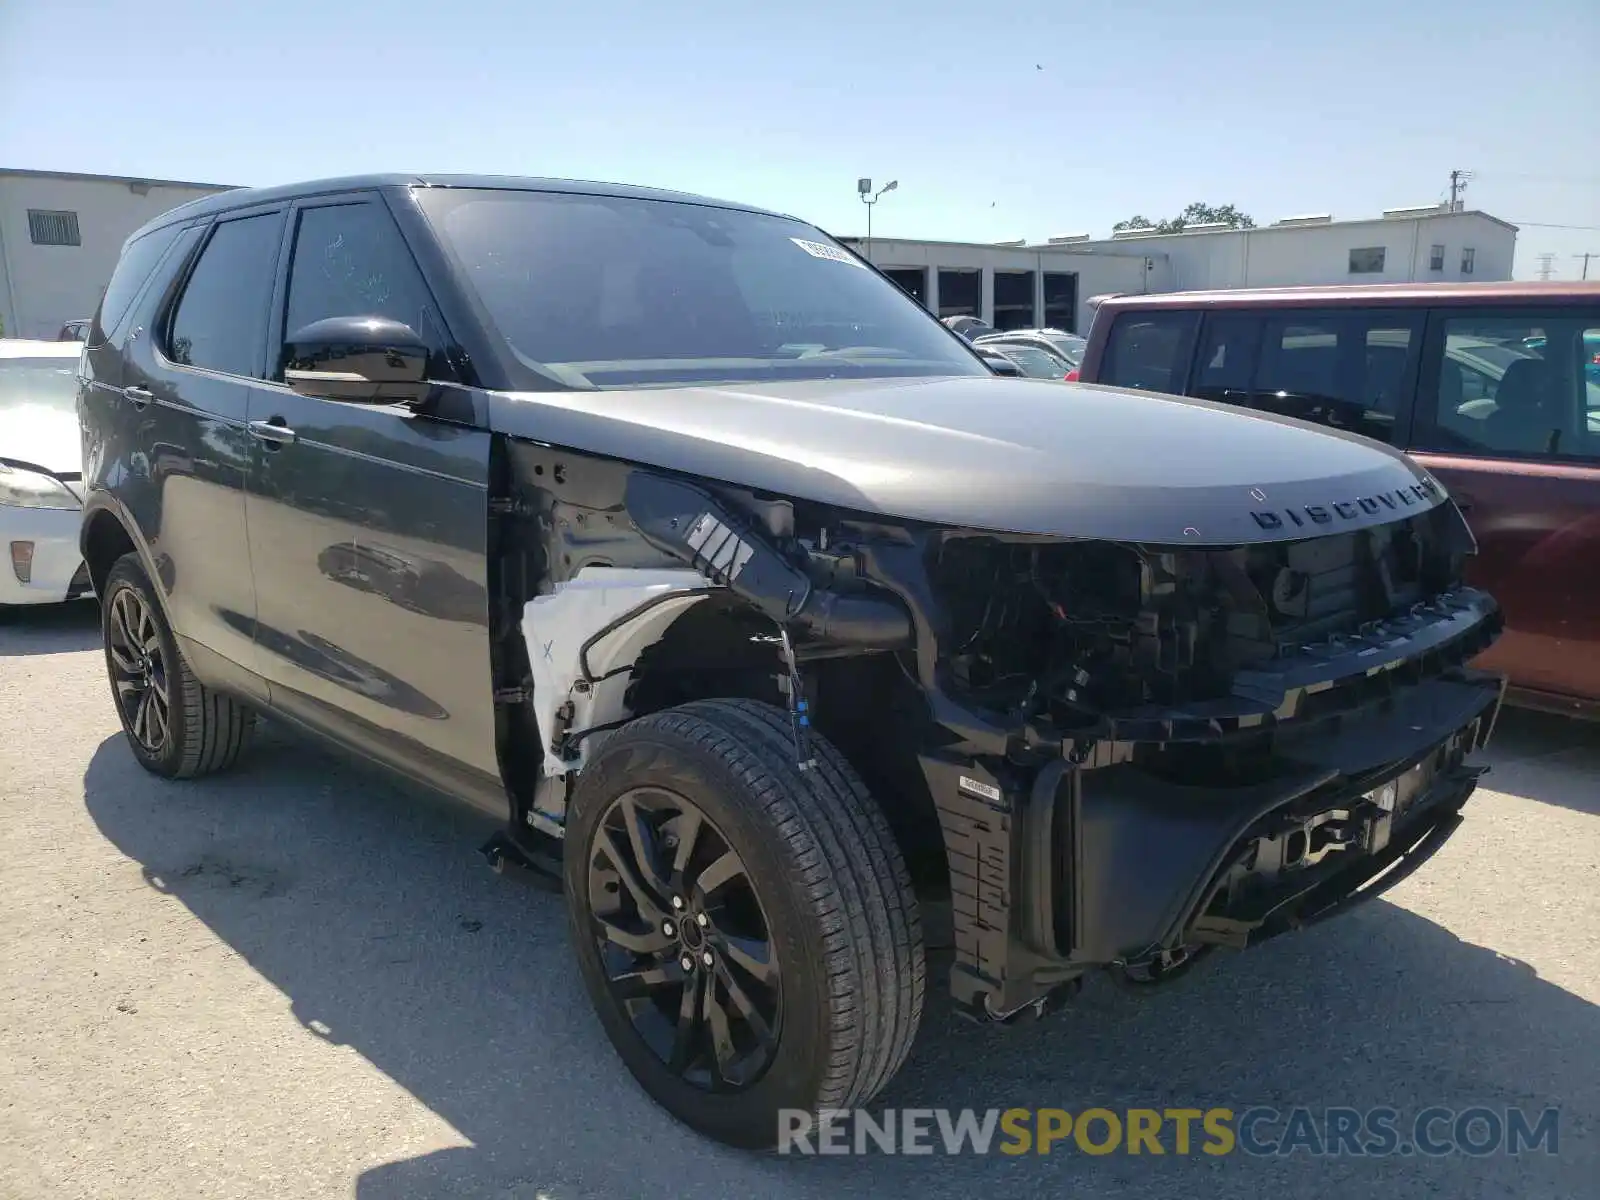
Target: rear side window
x,y
1149,350
220,323
1516,386
1345,368
132,270
350,261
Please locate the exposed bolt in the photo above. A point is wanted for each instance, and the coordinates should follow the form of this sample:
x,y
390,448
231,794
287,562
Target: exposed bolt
x,y
686,963
668,928
677,902
702,920
706,958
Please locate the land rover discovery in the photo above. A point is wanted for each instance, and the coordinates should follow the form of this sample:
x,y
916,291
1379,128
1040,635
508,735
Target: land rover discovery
x,y
674,535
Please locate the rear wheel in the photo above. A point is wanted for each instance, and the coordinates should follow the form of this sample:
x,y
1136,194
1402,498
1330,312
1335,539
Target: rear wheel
x,y
175,726
746,930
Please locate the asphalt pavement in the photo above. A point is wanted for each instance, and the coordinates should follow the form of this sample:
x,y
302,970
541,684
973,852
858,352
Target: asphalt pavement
x,y
300,980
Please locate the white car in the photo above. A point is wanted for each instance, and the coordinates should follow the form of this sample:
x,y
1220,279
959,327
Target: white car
x,y
41,467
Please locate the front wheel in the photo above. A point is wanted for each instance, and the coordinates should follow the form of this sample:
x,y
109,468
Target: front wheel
x,y
176,726
746,930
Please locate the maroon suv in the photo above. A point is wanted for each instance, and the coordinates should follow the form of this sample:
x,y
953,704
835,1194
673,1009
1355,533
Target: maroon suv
x,y
1495,388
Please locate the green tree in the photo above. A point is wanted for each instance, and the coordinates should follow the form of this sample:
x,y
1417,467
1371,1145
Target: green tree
x,y
1195,214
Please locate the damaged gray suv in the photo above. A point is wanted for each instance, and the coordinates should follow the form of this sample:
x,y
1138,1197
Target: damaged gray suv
x,y
765,617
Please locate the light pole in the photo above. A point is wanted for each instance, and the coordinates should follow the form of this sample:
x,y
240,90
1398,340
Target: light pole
x,y
869,198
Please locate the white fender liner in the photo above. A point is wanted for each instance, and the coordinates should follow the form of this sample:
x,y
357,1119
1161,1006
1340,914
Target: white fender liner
x,y
629,609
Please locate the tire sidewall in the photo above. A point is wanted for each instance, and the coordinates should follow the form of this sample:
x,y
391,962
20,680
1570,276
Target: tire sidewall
x,y
128,574
656,758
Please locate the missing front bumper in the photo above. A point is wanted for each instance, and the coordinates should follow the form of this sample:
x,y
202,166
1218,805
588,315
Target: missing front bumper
x,y
1069,869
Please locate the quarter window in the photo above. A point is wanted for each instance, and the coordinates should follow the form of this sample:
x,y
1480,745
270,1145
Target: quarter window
x,y
220,323
350,261
128,278
1367,261
1149,350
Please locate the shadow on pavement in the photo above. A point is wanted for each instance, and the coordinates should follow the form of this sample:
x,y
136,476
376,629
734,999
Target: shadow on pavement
x,y
369,907
49,628
1548,758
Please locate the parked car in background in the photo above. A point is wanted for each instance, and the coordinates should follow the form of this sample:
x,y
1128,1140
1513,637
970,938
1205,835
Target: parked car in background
x,y
1067,347
41,463
1033,361
998,362
731,583
967,327
1494,388
74,331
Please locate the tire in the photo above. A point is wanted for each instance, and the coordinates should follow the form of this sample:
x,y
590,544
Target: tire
x,y
832,889
202,731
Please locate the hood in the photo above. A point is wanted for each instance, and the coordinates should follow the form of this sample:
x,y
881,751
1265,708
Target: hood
x,y
42,435
1007,455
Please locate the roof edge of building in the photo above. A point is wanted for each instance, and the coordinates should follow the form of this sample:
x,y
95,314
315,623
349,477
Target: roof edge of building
x,y
89,177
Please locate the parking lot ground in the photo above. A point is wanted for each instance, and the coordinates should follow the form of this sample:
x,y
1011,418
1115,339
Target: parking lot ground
x,y
300,980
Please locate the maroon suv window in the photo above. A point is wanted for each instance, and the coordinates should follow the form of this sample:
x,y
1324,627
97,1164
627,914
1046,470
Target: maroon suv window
x,y
1149,350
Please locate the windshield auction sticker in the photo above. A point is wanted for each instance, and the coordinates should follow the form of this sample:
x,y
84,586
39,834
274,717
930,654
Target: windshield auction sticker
x,y
819,250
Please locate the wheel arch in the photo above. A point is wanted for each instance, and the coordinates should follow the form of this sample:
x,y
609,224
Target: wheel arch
x,y
104,538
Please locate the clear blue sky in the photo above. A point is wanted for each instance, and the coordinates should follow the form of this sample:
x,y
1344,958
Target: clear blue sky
x,y
1140,106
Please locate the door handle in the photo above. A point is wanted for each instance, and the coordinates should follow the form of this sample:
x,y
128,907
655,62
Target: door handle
x,y
138,396
273,432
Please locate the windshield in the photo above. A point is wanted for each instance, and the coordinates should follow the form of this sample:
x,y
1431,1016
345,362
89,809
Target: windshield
x,y
1071,346
46,383
608,292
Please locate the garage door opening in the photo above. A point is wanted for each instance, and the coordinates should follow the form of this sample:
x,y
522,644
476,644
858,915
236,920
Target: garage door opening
x,y
912,280
960,293
1013,300
1061,301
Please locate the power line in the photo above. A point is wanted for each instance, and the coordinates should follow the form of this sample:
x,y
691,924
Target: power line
x,y
1585,181
1545,225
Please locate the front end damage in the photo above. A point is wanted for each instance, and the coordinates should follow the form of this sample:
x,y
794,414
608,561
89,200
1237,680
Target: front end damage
x,y
1132,753
1158,751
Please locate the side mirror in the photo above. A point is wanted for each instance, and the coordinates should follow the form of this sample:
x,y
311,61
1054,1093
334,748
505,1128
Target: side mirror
x,y
362,360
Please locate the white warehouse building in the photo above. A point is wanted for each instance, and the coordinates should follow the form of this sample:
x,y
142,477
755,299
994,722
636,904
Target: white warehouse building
x,y
1015,285
60,236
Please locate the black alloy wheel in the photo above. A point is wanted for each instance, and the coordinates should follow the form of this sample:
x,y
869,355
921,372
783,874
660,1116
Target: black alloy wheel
x,y
177,727
139,674
745,927
684,942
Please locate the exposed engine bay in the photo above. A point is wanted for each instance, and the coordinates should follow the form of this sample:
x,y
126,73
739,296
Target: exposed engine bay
x,y
1124,753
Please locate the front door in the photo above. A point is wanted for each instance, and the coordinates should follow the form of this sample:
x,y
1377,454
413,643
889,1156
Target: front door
x,y
368,527
1508,417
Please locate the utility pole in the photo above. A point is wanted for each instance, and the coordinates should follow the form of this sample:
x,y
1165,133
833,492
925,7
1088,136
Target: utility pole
x,y
1546,266
1586,257
1458,188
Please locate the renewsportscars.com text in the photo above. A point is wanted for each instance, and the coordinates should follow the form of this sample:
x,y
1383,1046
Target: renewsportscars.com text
x,y
1258,1131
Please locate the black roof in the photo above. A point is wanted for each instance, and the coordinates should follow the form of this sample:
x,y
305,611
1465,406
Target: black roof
x,y
246,197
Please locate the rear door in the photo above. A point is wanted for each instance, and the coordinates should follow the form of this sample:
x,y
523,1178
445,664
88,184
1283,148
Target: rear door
x,y
185,385
368,526
1509,420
